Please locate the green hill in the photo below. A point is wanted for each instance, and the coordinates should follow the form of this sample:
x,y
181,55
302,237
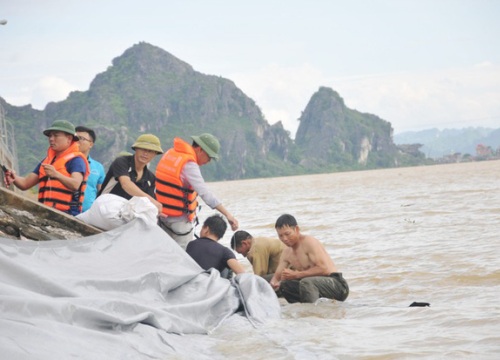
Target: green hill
x,y
148,90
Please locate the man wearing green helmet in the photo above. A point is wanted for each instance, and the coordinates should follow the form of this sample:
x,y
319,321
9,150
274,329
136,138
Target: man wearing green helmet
x,y
61,176
129,175
179,182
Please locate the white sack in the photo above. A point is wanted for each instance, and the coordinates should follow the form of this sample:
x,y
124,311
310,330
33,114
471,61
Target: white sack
x,y
110,211
140,207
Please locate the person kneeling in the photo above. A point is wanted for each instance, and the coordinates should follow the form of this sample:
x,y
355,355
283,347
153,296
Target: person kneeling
x,y
206,250
305,272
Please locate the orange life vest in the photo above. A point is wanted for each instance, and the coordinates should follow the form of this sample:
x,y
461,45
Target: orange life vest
x,y
176,199
52,192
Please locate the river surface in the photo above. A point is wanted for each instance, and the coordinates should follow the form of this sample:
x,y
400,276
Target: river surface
x,y
428,234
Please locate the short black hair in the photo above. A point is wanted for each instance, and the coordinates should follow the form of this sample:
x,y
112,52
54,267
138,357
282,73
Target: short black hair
x,y
217,225
285,220
87,130
238,237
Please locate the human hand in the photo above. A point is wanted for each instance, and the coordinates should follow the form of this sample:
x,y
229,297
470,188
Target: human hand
x,y
233,222
9,177
275,284
50,170
162,216
288,274
158,205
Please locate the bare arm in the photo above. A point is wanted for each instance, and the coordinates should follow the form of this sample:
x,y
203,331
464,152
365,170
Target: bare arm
x,y
235,266
191,175
283,265
133,190
23,183
230,218
289,274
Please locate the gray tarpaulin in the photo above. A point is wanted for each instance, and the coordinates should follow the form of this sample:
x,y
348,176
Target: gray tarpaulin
x,y
122,294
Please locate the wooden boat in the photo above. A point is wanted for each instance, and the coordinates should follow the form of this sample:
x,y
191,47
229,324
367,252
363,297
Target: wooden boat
x,y
23,218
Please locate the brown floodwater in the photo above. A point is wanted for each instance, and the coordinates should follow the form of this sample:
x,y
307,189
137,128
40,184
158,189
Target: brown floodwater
x,y
428,234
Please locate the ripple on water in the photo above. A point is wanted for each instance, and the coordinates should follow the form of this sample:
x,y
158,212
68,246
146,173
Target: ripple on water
x,y
426,234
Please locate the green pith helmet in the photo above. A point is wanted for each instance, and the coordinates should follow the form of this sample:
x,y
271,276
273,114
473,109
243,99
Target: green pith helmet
x,y
209,143
63,126
148,142
124,153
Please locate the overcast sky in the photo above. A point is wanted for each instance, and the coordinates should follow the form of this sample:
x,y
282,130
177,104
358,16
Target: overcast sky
x,y
415,63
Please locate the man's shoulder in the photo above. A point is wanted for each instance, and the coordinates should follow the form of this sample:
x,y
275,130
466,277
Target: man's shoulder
x,y
193,244
215,244
267,239
190,167
310,242
92,160
76,159
268,242
203,243
76,164
95,164
122,160
311,238
202,240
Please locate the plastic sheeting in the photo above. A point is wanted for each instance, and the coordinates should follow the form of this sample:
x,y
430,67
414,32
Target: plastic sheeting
x,y
123,294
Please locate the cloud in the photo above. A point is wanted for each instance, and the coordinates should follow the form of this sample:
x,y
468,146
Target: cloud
x,y
281,92
46,89
446,98
50,89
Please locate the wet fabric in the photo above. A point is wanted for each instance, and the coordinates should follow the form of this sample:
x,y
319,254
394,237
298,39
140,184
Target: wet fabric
x,y
255,293
310,289
125,293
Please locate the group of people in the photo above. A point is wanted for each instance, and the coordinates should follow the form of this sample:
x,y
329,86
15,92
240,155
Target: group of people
x,y
297,266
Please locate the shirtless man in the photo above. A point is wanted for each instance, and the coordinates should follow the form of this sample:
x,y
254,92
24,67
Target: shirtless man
x,y
305,272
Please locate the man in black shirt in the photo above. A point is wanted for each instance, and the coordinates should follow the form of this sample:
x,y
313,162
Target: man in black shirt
x,y
206,250
129,175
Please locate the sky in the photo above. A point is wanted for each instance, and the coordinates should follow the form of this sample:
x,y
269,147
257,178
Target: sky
x,y
418,64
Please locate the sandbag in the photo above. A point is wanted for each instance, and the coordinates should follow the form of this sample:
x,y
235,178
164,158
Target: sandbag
x,y
110,211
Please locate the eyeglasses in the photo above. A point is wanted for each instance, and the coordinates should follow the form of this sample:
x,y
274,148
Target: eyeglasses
x,y
81,138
